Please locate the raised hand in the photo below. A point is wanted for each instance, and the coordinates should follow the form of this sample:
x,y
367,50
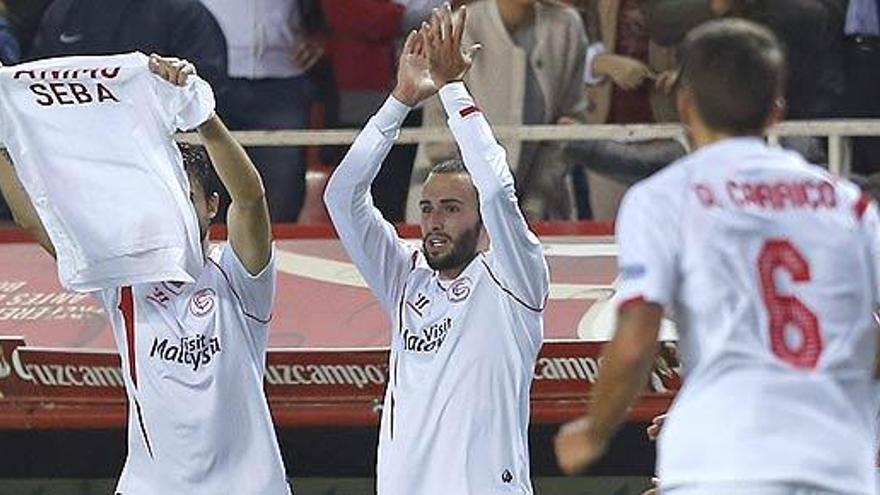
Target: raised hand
x,y
626,72
448,61
174,70
414,82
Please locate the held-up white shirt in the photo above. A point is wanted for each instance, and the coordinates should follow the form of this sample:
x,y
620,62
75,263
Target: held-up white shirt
x,y
770,265
456,410
193,361
92,143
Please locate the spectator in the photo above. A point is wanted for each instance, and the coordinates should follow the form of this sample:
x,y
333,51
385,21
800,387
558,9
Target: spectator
x,y
628,82
182,28
24,18
862,65
529,71
365,34
274,76
10,52
809,29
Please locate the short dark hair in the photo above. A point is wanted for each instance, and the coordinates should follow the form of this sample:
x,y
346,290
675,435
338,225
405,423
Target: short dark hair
x,y
198,165
451,166
735,70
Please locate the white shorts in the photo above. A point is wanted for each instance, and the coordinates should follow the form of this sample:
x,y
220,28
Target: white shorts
x,y
746,488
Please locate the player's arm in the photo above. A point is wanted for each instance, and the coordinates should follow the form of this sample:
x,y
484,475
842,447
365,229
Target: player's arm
x,y
20,205
648,277
626,368
371,242
248,224
518,253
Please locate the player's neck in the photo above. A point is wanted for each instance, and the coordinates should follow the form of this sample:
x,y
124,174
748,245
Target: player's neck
x,y
453,273
701,136
515,15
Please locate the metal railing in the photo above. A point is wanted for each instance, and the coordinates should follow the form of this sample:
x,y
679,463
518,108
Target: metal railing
x,y
838,133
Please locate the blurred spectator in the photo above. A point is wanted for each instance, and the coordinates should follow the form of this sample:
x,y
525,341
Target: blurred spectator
x,y
809,29
363,37
529,71
629,81
862,63
24,18
10,52
180,28
273,82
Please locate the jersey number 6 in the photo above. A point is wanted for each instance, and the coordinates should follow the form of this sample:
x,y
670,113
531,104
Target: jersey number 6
x,y
788,312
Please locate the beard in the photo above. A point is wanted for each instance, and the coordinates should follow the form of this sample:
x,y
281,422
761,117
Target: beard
x,y
464,249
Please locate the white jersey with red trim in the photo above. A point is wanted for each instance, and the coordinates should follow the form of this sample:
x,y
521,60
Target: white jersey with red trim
x,y
92,140
769,265
193,358
456,410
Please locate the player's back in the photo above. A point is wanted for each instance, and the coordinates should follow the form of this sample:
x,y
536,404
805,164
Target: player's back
x,y
775,291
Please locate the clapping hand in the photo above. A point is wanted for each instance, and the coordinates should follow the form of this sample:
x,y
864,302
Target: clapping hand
x,y
414,81
447,59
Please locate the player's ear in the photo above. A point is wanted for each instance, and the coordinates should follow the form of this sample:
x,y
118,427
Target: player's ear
x,y
777,112
684,102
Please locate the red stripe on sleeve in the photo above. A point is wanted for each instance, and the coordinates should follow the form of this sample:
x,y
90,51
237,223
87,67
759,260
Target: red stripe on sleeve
x,y
862,205
629,303
464,112
126,306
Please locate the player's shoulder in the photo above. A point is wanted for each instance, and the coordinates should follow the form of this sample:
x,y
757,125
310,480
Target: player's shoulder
x,y
665,188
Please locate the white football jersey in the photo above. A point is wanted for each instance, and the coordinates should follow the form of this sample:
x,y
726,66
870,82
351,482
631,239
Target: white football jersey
x,y
193,358
92,143
769,265
456,410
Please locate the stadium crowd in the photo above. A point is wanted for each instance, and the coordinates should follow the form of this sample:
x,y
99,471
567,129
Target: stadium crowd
x,y
296,64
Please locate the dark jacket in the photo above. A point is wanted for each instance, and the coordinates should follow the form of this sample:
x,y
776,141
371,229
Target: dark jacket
x,y
810,30
179,28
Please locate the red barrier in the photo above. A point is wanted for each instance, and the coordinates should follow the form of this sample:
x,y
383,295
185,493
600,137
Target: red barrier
x,y
52,388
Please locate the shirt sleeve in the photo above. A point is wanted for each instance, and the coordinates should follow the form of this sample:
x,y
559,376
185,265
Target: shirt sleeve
x,y
382,258
183,107
870,218
255,293
647,250
517,258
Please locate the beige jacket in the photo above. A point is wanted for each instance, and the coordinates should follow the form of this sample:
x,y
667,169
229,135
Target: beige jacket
x,y
497,81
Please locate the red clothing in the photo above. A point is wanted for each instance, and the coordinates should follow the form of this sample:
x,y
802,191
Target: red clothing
x,y
631,107
361,42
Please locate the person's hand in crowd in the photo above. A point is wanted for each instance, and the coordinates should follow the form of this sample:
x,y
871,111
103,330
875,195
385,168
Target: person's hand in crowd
x,y
307,53
173,70
578,446
655,487
626,72
653,431
665,82
414,82
447,59
566,120
654,428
